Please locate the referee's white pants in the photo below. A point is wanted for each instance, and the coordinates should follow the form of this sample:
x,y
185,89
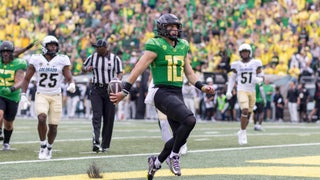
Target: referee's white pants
x,y
293,110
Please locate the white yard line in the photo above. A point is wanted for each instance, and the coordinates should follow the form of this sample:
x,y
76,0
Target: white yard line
x,y
209,134
146,154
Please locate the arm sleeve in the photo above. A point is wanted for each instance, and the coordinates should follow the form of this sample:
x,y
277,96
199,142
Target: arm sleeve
x,y
232,79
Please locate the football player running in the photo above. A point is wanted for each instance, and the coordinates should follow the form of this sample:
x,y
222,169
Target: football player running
x,y
166,55
11,76
13,55
51,69
247,73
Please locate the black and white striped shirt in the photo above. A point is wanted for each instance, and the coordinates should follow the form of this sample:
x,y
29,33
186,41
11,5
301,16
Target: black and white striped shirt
x,y
105,68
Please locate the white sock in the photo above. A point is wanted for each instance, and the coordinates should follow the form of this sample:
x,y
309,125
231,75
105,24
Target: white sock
x,y
49,146
173,154
43,143
157,163
243,131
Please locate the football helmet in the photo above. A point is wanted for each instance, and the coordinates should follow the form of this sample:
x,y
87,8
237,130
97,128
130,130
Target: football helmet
x,y
47,40
245,47
7,46
165,20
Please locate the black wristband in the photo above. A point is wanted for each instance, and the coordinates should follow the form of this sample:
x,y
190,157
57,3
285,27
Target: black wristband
x,y
12,88
127,86
199,85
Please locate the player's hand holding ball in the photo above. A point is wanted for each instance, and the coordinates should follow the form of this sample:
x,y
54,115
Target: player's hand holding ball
x,y
115,86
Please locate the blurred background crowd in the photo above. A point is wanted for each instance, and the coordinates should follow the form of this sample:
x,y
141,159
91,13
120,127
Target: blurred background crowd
x,y
284,34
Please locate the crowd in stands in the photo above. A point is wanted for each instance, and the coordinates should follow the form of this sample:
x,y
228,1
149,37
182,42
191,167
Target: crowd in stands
x,y
284,34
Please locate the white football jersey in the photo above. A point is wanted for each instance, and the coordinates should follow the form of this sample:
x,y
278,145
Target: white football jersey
x,y
246,73
49,74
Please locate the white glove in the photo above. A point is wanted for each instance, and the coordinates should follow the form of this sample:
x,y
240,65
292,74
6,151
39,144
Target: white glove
x,y
258,80
229,95
24,102
71,88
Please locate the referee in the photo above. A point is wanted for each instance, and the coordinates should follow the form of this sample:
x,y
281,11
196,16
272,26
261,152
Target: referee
x,y
105,67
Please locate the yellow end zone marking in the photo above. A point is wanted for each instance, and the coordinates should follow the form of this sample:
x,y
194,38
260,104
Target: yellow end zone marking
x,y
295,171
290,171
307,160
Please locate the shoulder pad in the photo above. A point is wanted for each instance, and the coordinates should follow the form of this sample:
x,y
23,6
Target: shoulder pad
x,y
257,62
184,42
234,65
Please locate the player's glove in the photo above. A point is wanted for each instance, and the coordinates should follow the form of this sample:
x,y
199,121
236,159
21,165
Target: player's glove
x,y
24,102
229,95
71,88
5,91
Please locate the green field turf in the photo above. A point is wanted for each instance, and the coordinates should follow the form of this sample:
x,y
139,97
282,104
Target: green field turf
x,y
281,151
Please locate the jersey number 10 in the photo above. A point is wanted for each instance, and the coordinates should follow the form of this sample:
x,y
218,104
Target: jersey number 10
x,y
175,67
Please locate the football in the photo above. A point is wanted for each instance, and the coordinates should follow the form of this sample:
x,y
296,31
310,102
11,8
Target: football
x,y
115,86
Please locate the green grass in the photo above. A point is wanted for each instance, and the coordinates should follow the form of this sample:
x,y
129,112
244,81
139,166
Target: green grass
x,y
211,145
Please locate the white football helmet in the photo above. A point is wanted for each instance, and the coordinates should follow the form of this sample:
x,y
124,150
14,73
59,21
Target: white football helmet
x,y
247,47
47,40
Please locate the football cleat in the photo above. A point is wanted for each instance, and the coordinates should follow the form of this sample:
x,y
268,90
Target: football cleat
x,y
104,149
6,147
258,128
152,168
96,148
242,137
175,165
43,153
48,154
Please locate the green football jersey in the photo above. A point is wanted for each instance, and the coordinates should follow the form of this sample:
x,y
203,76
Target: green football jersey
x,y
168,67
7,74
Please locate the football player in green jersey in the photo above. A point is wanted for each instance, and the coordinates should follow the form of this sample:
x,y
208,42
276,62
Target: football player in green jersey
x,y
11,76
166,55
258,113
16,54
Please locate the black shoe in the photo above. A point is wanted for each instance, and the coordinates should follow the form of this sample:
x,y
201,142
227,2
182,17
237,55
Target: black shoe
x,y
152,168
104,149
96,148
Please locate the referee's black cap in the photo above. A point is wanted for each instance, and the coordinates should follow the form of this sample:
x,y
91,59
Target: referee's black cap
x,y
100,43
